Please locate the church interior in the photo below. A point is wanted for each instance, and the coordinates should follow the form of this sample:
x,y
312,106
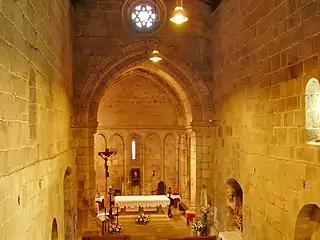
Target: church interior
x,y
160,119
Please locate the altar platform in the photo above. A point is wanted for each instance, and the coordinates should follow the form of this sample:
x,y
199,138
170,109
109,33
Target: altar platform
x,y
152,203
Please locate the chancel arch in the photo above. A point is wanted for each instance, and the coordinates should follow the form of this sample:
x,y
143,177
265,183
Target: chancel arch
x,y
129,94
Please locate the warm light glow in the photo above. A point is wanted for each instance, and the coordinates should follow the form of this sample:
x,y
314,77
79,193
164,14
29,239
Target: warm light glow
x,y
155,57
179,16
133,150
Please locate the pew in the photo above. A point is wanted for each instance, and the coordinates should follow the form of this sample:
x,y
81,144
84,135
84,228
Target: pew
x,y
194,238
107,237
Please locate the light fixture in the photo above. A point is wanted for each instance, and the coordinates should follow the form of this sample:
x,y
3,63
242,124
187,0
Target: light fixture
x,y
179,15
155,57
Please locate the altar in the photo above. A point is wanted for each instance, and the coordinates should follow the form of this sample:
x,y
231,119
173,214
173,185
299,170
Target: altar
x,y
145,202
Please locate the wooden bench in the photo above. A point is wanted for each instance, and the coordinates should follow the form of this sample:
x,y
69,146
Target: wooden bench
x,y
107,237
194,238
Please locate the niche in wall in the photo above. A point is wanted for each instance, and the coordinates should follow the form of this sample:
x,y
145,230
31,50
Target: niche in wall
x,y
308,223
234,205
312,111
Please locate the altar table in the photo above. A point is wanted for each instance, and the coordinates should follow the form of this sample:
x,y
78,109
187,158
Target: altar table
x,y
148,201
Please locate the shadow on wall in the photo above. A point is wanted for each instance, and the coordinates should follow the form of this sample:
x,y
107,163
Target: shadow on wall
x,y
234,205
308,223
68,204
54,231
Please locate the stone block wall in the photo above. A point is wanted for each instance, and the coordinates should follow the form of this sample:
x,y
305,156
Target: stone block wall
x,y
108,49
101,31
36,144
264,53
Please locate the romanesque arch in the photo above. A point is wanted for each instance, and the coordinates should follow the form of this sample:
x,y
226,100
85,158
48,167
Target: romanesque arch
x,y
178,73
177,76
68,205
308,223
54,230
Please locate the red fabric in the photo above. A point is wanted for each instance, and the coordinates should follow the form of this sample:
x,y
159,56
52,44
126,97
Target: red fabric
x,y
191,215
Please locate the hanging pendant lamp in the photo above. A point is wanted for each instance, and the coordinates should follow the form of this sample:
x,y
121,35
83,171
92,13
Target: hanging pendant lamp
x,y
179,16
155,56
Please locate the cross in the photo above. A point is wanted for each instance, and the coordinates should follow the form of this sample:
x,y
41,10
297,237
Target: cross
x,y
105,156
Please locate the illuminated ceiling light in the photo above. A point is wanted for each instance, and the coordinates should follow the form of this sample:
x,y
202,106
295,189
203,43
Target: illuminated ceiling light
x,y
155,56
179,15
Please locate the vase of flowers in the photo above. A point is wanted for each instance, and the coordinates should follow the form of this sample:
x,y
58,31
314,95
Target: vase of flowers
x,y
142,219
198,226
115,228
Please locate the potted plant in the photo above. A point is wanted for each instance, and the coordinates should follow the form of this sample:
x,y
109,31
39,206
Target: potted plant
x,y
115,228
142,219
198,226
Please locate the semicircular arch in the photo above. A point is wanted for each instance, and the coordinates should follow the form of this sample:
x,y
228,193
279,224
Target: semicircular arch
x,y
179,73
181,109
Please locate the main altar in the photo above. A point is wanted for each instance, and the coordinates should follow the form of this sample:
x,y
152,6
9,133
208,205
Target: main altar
x,y
144,202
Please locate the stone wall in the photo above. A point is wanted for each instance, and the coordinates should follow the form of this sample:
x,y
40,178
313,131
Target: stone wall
x,y
264,53
141,109
36,144
107,49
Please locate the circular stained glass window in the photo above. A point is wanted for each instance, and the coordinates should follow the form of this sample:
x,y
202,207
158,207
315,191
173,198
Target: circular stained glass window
x,y
143,16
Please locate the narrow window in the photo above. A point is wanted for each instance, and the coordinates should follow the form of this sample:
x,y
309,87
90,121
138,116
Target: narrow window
x,y
133,150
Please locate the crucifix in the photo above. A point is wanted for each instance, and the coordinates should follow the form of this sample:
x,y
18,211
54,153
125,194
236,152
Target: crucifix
x,y
105,156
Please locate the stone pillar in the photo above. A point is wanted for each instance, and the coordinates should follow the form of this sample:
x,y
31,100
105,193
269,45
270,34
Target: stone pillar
x,y
183,166
193,170
84,136
204,157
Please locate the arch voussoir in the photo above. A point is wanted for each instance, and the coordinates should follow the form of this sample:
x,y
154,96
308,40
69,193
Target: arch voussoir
x,y
133,56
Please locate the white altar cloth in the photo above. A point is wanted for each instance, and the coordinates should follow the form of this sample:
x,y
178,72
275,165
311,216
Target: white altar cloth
x,y
141,201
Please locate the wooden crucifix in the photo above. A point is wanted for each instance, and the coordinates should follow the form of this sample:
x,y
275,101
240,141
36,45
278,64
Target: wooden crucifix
x,y
105,156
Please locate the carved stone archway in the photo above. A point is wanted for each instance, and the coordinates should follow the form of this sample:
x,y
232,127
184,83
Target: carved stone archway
x,y
178,75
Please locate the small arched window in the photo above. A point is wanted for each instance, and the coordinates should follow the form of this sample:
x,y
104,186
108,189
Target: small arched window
x,y
312,111
133,149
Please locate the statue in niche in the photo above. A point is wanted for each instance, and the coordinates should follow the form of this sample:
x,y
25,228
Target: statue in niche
x,y
234,204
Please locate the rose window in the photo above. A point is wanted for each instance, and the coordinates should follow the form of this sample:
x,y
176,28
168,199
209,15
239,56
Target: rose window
x,y
143,16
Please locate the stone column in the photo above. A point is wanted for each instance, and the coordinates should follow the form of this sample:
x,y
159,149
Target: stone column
x,y
204,156
183,166
84,136
193,170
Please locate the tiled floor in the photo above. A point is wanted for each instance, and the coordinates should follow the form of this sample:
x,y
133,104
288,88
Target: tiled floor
x,y
160,226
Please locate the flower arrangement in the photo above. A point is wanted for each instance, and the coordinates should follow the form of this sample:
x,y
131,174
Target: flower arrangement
x,y
198,225
115,228
142,219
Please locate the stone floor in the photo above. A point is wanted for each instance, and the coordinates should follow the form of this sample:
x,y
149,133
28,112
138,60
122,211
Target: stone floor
x,y
160,226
